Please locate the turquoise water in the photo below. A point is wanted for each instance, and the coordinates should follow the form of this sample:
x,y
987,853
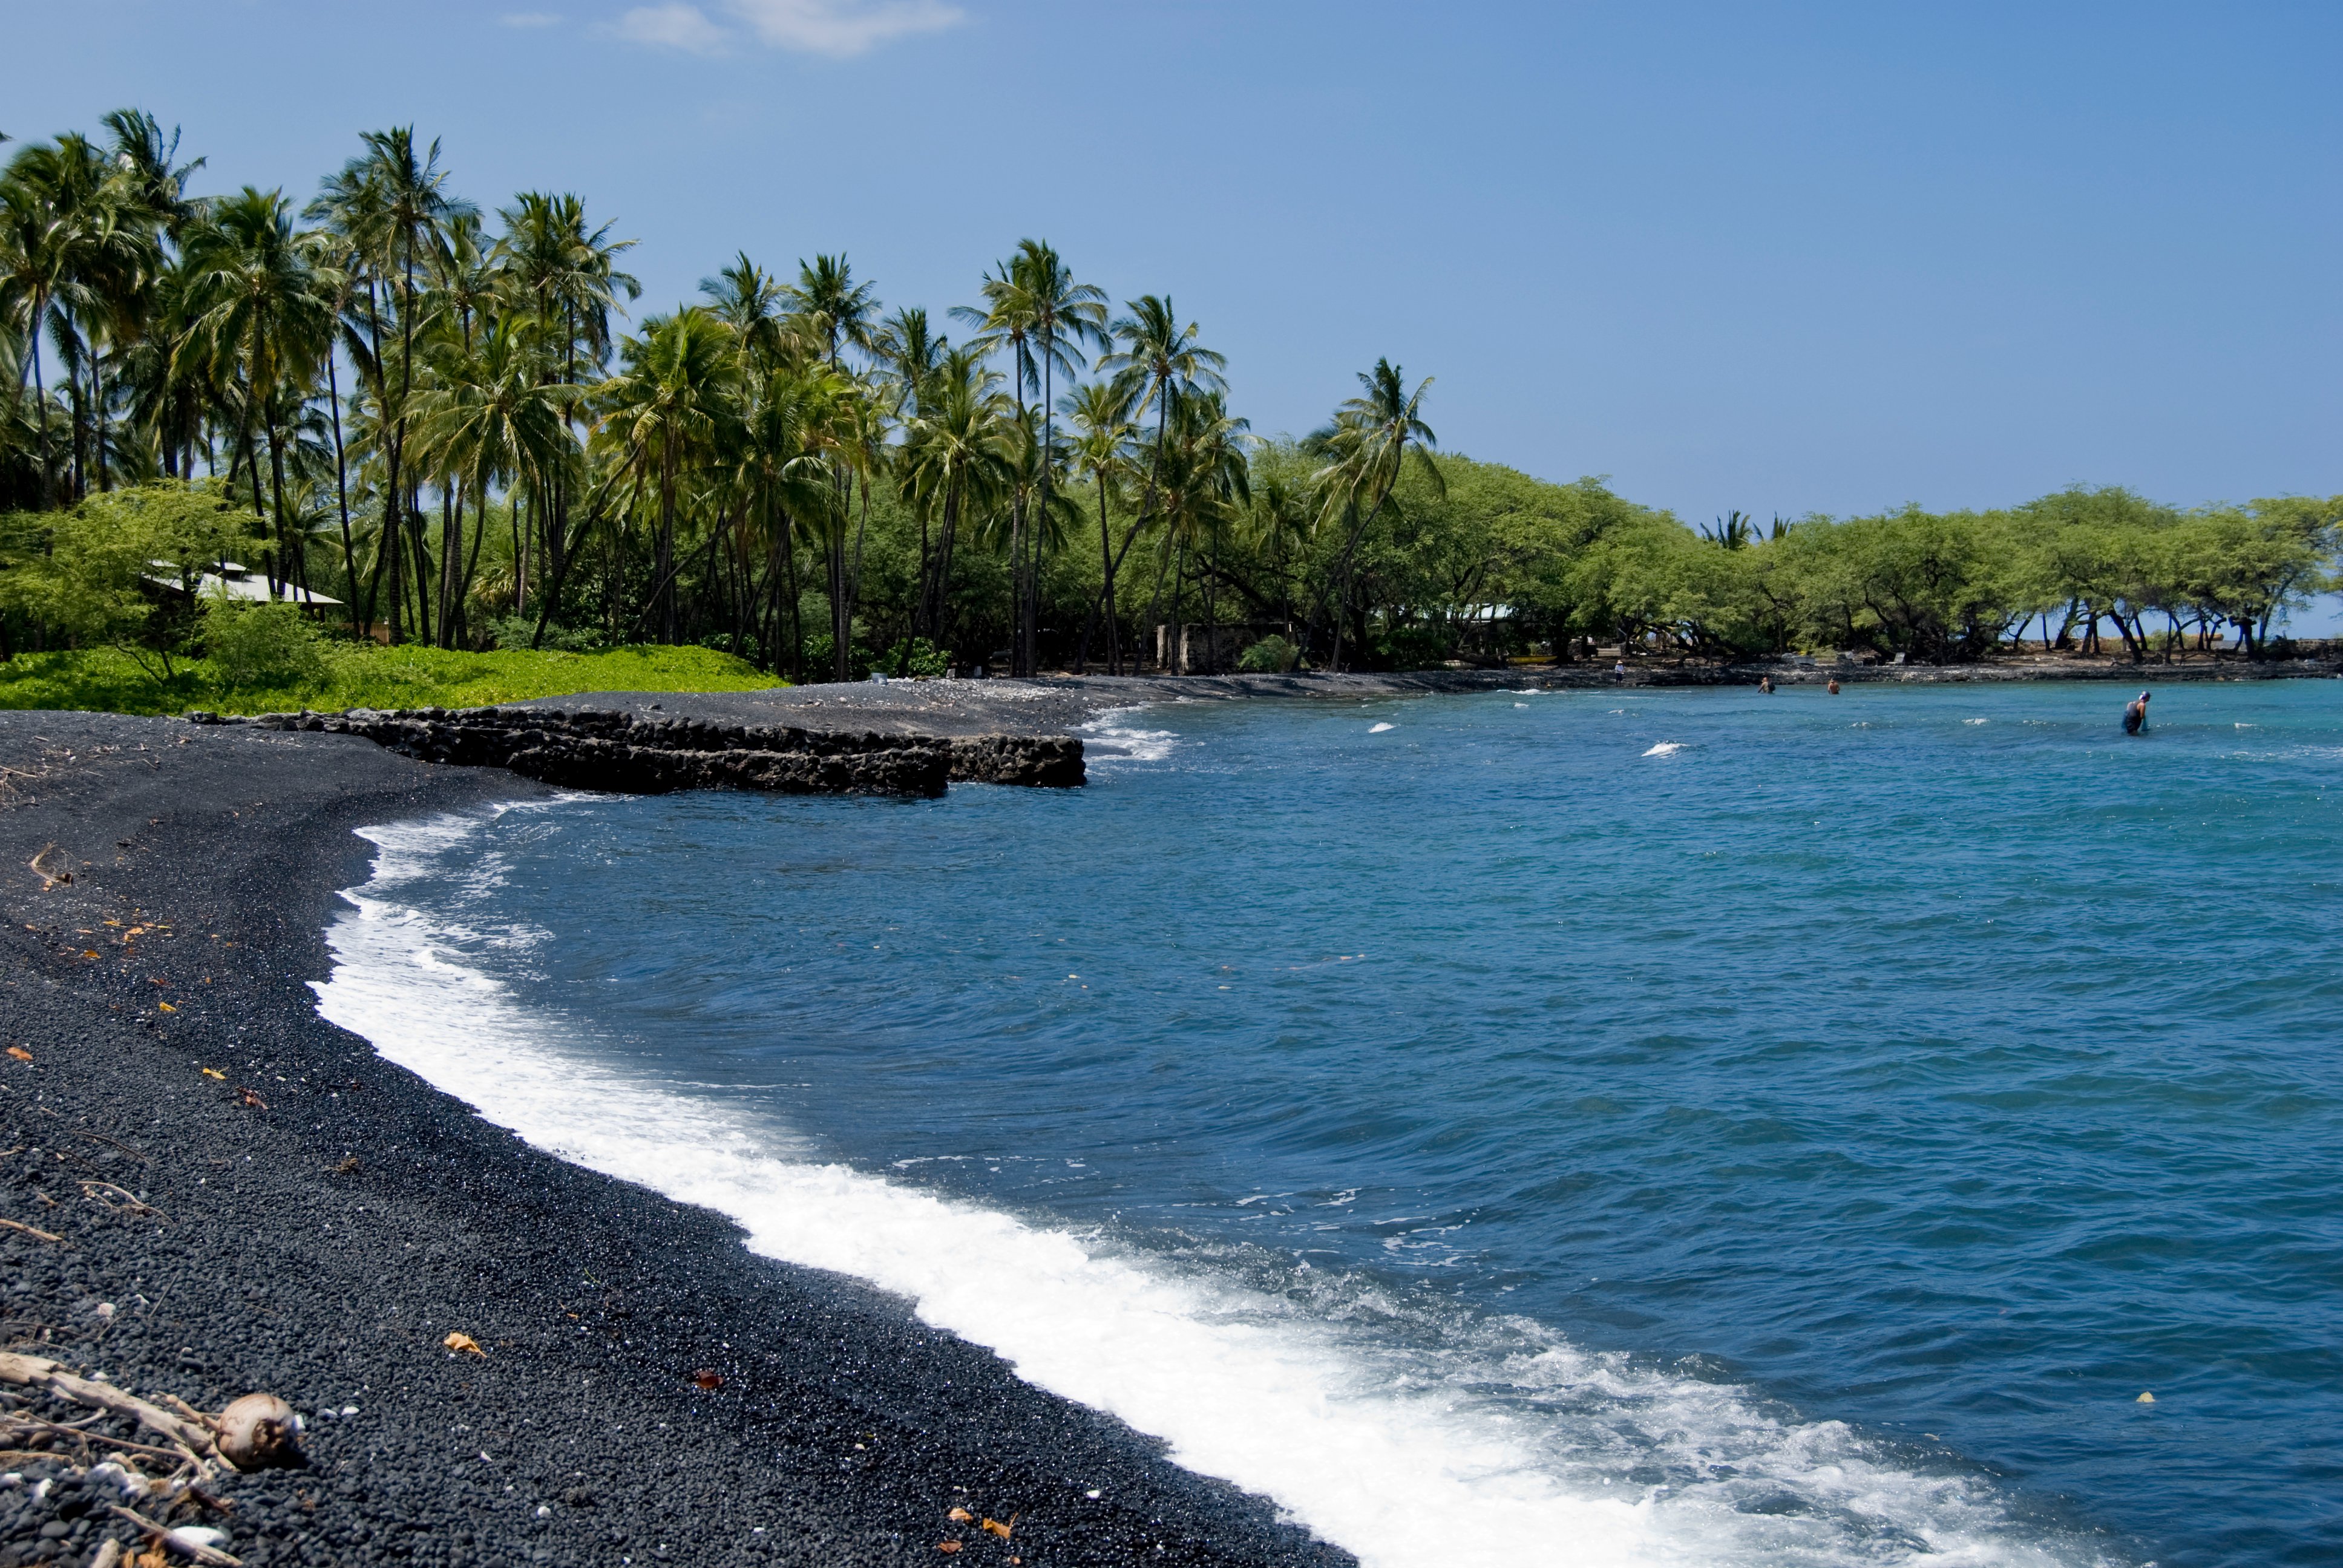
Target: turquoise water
x,y
1813,1120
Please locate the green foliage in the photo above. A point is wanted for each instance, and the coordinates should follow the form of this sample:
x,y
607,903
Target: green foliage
x,y
106,571
916,655
263,646
1273,655
365,675
438,417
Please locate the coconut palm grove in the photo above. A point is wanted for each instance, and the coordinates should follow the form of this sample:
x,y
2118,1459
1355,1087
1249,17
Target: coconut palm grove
x,y
416,419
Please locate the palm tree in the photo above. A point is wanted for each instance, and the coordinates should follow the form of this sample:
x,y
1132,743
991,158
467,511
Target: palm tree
x,y
1101,412
261,302
832,310
1205,478
667,413
780,478
957,458
1059,317
568,275
910,352
754,305
1373,436
487,414
1160,364
391,204
835,313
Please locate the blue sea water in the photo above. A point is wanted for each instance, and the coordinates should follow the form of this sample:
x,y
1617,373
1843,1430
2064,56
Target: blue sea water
x,y
1729,1127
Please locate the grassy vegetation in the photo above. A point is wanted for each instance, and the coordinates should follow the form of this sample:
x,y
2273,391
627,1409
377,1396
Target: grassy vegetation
x,y
109,680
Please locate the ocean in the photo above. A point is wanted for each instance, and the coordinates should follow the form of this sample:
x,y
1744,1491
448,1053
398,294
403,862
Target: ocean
x,y
1640,1126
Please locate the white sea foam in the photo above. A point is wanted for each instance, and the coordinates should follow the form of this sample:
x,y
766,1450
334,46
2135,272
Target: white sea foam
x,y
1110,738
1471,1441
1379,729
1665,748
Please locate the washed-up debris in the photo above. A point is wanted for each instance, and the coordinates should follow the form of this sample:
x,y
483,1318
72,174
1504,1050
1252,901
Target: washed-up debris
x,y
708,1380
259,1431
197,1541
458,1342
20,1053
51,867
38,1234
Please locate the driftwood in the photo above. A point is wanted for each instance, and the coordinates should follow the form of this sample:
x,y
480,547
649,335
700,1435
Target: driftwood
x,y
210,1555
29,1230
192,1438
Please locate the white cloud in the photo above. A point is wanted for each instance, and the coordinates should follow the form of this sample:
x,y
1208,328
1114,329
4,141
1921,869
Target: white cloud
x,y
675,26
841,29
531,19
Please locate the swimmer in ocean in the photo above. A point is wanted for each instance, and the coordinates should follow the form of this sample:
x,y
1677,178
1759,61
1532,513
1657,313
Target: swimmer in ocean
x,y
1765,683
1834,685
2135,715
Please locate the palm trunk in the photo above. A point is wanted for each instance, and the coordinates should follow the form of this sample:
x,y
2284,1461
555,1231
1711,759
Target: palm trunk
x,y
341,479
1146,505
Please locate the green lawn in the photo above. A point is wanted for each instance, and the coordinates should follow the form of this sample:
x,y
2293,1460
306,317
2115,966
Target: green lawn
x,y
107,680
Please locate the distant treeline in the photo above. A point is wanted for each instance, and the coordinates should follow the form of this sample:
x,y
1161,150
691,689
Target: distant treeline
x,y
444,420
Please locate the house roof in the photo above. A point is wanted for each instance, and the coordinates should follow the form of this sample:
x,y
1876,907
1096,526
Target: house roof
x,y
234,580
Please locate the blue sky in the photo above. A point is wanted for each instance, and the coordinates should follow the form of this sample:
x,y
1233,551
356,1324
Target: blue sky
x,y
1787,258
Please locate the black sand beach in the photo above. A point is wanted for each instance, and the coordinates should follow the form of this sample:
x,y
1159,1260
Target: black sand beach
x,y
305,1218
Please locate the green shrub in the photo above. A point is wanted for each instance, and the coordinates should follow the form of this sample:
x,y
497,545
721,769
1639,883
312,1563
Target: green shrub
x,y
916,656
1273,655
255,646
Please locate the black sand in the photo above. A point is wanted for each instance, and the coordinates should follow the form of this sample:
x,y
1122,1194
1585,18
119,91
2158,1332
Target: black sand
x,y
319,1235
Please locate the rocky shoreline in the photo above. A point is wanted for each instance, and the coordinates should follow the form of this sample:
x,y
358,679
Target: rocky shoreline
x,y
212,1191
629,753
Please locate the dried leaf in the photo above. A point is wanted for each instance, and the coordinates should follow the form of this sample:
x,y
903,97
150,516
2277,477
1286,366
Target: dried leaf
x,y
708,1379
251,1099
215,1072
947,1546
465,1343
995,1527
960,1515
166,1007
20,1053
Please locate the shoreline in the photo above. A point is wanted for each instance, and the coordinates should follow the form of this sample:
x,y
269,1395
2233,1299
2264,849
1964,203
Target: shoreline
x,y
1061,704
320,1242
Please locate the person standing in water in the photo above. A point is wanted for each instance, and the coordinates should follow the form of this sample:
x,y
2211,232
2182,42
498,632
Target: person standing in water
x,y
1766,684
2135,715
1834,685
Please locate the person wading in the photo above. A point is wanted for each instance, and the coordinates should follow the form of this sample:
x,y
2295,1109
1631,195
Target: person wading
x,y
2135,715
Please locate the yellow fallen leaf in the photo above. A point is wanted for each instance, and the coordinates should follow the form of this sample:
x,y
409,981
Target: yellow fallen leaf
x,y
465,1343
90,953
167,1006
215,1072
20,1053
998,1528
960,1515
947,1546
